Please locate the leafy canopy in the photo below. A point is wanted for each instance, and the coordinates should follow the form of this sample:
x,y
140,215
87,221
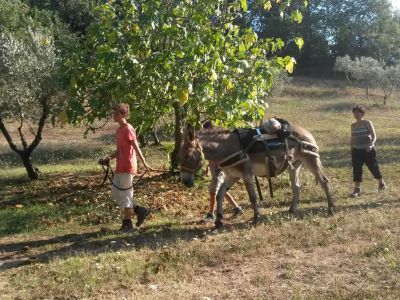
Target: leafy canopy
x,y
153,53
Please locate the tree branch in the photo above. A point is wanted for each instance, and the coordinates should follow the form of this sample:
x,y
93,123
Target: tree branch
x,y
42,121
8,137
21,135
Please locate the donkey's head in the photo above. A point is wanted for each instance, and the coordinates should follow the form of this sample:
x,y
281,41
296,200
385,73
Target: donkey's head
x,y
190,156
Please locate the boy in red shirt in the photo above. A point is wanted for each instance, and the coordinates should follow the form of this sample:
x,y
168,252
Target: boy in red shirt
x,y
126,153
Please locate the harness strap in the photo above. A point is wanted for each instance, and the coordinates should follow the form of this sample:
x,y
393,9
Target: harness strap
x,y
193,171
258,188
234,159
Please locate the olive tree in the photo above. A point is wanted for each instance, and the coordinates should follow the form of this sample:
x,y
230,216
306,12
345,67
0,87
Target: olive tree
x,y
344,64
28,72
371,72
366,69
388,79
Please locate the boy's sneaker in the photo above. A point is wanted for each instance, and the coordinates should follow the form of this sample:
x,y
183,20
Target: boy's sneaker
x,y
381,186
355,193
141,213
238,211
209,218
126,226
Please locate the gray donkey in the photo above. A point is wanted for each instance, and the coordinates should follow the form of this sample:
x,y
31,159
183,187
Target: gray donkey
x,y
244,153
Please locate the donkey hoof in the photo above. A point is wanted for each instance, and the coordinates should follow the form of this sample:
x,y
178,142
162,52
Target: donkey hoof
x,y
218,224
256,219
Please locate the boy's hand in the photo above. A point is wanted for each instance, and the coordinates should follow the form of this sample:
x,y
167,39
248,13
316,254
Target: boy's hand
x,y
105,161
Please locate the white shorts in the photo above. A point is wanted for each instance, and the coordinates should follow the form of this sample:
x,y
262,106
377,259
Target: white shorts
x,y
123,198
217,179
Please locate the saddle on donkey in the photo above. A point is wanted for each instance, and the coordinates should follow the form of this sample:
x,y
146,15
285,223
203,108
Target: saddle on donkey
x,y
272,135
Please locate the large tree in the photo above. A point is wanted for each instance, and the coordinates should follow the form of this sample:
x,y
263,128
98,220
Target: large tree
x,y
29,64
333,28
76,14
367,28
187,57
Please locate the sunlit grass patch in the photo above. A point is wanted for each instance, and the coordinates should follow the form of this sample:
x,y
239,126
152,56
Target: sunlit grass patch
x,y
81,276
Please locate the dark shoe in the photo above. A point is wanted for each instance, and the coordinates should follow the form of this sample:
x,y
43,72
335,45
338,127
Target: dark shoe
x,y
381,186
355,193
141,213
126,226
238,211
209,218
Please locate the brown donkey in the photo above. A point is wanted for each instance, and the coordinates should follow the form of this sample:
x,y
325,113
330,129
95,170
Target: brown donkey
x,y
245,158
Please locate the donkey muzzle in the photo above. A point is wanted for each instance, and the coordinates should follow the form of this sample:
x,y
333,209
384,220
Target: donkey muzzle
x,y
187,179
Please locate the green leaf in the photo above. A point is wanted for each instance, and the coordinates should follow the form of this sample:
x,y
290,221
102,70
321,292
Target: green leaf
x,y
214,76
297,16
250,37
183,95
244,5
63,118
267,5
299,42
242,48
289,66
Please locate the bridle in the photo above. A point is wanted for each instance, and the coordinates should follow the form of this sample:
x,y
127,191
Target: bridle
x,y
193,171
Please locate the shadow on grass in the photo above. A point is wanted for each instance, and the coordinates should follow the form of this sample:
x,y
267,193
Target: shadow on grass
x,y
80,197
18,254
15,180
14,255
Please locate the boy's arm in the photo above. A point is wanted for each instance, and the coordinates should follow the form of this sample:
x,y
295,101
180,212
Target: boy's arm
x,y
140,155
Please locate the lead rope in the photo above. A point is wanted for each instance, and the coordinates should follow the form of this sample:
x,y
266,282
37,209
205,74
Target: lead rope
x,y
107,170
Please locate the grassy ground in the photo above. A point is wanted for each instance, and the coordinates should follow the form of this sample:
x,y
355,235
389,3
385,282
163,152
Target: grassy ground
x,y
58,238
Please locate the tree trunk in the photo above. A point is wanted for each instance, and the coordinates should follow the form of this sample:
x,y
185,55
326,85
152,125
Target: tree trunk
x,y
142,140
30,169
384,99
25,155
178,136
348,79
155,137
26,152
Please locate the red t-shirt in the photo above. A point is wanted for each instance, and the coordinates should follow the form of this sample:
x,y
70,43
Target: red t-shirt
x,y
126,154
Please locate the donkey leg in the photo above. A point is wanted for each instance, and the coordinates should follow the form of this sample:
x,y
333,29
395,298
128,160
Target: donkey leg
x,y
228,182
248,182
316,168
294,175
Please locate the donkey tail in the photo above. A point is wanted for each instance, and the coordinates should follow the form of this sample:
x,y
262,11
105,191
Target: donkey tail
x,y
319,175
